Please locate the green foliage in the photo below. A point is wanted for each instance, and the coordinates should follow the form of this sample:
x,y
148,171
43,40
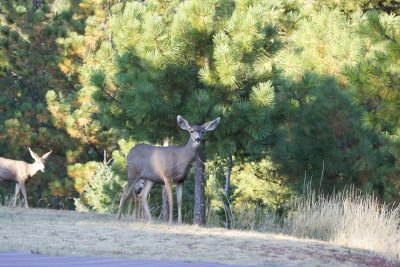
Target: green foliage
x,y
100,183
197,61
323,42
100,191
306,90
29,68
355,6
318,135
374,80
200,60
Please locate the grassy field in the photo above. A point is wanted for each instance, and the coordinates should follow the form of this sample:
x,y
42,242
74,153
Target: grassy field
x,y
54,232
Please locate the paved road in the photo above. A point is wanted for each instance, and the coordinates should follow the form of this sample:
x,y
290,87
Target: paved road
x,y
14,259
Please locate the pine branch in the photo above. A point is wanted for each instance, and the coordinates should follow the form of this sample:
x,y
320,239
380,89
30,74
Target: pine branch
x,y
28,85
71,85
114,48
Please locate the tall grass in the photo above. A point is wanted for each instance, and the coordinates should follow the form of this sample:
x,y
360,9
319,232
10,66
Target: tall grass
x,y
347,218
258,219
8,201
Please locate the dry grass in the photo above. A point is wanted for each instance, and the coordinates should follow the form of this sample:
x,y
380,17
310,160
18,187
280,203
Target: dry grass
x,y
53,232
348,219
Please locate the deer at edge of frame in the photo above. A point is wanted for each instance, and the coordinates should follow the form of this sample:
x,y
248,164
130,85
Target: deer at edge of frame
x,y
20,171
163,165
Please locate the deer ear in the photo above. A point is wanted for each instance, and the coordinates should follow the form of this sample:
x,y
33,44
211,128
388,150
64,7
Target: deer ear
x,y
182,123
33,154
211,125
47,154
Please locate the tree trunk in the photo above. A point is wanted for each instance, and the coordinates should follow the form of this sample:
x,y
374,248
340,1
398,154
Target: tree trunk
x,y
36,4
199,217
228,213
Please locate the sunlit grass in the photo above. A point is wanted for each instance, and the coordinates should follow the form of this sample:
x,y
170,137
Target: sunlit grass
x,y
57,232
349,219
346,218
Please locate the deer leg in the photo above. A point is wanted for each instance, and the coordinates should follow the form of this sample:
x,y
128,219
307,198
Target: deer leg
x,y
127,191
17,190
144,193
132,208
179,190
168,188
23,190
130,205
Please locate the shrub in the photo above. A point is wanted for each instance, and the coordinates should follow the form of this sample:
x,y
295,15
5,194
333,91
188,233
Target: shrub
x,y
101,191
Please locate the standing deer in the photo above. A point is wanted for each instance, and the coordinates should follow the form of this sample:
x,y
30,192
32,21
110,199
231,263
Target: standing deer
x,y
19,171
163,165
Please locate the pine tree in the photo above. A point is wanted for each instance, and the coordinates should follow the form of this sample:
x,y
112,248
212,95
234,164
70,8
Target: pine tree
x,y
29,68
319,136
326,42
74,110
201,60
43,48
322,42
375,79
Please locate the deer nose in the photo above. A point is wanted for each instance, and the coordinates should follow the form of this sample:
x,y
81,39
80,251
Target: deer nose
x,y
197,140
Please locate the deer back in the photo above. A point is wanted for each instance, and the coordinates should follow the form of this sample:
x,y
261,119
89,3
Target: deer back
x,y
13,170
159,163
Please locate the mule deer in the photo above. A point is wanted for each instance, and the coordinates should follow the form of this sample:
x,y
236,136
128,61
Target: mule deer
x,y
163,165
19,172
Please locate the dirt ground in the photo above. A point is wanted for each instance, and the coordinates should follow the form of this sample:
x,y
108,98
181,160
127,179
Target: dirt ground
x,y
68,233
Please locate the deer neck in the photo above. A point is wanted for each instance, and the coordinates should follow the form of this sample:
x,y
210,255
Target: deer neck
x,y
190,150
32,169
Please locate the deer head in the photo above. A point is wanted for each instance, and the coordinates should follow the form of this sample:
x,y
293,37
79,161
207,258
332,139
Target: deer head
x,y
196,131
39,161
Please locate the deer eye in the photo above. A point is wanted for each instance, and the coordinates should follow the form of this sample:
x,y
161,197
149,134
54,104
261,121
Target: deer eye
x,y
191,131
202,132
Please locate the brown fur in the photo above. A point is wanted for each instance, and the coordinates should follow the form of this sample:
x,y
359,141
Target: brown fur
x,y
163,165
